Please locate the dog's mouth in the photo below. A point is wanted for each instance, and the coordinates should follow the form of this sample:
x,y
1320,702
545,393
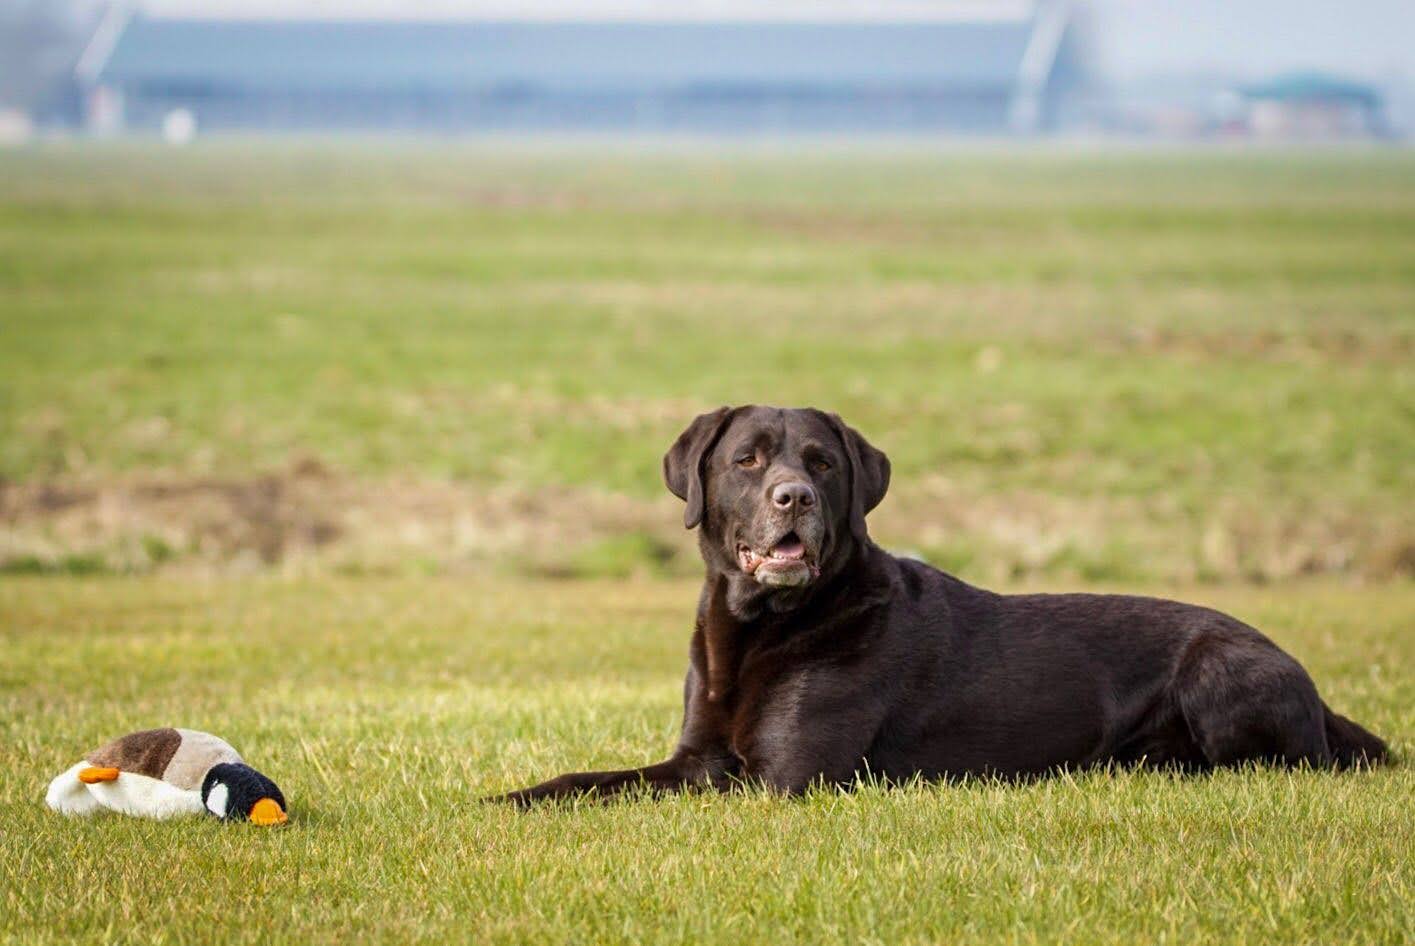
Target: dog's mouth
x,y
788,562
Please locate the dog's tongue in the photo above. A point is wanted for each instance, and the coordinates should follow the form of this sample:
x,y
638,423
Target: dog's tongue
x,y
789,547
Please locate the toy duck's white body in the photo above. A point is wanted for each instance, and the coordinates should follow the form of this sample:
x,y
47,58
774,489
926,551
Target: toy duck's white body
x,y
157,773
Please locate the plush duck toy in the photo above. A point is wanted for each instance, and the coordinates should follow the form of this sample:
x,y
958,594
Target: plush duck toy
x,y
162,773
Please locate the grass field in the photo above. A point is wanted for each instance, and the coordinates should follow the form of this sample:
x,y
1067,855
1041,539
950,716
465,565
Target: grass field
x,y
351,455
385,708
1108,367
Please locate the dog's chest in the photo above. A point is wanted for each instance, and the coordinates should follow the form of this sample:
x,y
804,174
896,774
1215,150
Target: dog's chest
x,y
767,718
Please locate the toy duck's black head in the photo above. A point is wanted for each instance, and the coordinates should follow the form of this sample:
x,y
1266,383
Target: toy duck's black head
x,y
238,792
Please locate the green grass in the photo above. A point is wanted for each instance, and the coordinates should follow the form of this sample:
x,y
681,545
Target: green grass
x,y
386,708
1185,366
360,421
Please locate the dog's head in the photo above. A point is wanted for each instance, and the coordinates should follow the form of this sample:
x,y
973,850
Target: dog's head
x,y
781,494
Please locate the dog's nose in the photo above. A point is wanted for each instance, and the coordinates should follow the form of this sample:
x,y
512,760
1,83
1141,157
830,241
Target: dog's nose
x,y
793,496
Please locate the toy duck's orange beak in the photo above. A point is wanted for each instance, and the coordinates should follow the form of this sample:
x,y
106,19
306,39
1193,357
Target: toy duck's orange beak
x,y
94,774
268,812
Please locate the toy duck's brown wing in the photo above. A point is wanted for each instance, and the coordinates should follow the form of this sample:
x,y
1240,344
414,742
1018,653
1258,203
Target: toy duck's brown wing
x,y
146,753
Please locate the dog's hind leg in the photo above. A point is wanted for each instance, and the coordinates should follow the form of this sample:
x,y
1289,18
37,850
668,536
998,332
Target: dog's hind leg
x,y
1244,700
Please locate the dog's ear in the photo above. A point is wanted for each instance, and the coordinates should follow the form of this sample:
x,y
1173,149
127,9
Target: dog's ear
x,y
683,463
869,474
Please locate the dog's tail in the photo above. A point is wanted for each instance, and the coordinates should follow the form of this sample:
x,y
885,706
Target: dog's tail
x,y
1351,745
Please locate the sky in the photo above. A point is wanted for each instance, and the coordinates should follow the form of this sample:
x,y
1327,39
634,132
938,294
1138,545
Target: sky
x,y
1369,38
1372,39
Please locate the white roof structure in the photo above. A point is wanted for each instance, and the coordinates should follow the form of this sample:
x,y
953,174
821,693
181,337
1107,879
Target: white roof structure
x,y
824,57
791,11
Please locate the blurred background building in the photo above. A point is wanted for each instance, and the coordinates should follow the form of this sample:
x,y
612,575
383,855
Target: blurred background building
x,y
996,70
1201,69
1311,105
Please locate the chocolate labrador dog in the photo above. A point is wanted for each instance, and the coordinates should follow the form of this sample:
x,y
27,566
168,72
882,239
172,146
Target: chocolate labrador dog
x,y
818,657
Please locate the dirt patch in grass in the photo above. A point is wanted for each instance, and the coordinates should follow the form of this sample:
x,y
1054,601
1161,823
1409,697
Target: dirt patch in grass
x,y
1316,347
1006,536
308,516
842,227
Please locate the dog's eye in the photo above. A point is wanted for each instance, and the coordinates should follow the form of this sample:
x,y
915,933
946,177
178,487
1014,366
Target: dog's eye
x,y
747,461
819,466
